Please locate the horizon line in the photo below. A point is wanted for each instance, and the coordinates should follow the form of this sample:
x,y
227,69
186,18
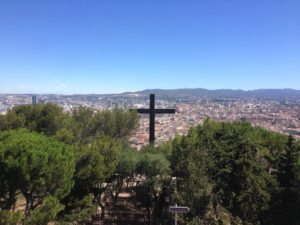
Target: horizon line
x,y
148,89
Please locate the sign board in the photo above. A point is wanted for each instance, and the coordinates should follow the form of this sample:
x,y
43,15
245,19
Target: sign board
x,y
179,209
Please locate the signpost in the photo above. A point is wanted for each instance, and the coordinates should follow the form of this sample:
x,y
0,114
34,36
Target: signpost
x,y
178,209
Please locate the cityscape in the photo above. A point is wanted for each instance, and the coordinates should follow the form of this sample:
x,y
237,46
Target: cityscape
x,y
150,112
276,115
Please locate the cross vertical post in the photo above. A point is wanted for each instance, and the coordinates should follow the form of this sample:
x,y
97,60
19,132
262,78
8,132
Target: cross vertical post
x,y
152,119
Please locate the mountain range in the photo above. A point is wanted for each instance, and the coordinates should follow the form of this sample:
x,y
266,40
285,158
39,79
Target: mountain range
x,y
268,94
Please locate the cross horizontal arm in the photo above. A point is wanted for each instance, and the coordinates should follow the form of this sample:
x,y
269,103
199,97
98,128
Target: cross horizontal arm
x,y
161,111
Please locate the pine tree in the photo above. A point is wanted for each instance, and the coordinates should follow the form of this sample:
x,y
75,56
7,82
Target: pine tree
x,y
287,205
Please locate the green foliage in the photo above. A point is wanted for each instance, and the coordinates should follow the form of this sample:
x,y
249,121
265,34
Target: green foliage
x,y
195,221
165,148
227,173
215,216
144,193
82,126
46,213
65,135
218,215
154,169
190,166
95,164
43,118
230,165
244,185
82,123
10,218
110,150
153,164
34,164
117,123
37,166
286,201
81,213
100,136
127,162
90,168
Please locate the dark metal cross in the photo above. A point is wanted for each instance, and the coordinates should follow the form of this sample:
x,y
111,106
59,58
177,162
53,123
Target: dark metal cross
x,y
152,111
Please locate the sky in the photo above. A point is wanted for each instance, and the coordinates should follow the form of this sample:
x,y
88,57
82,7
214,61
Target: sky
x,y
113,46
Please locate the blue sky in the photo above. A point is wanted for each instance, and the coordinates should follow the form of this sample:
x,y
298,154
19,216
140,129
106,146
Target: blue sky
x,y
108,46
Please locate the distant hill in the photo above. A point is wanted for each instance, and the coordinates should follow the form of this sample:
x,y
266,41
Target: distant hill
x,y
278,94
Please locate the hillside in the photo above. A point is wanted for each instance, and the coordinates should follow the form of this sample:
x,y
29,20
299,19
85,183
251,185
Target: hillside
x,y
278,94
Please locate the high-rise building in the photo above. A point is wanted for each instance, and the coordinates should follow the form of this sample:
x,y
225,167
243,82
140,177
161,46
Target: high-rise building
x,y
34,100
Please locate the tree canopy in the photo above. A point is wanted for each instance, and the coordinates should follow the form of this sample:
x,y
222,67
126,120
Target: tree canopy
x,y
65,165
236,169
34,165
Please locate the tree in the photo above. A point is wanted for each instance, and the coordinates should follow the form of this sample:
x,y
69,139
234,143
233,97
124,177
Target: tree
x,y
35,165
117,123
224,165
154,170
286,203
46,213
95,165
82,123
99,137
42,118
8,217
126,168
190,167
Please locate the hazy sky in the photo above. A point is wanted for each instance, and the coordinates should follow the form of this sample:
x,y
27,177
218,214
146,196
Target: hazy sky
x,y
103,46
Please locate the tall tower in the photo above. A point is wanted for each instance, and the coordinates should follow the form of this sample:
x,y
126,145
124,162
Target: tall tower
x,y
33,99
